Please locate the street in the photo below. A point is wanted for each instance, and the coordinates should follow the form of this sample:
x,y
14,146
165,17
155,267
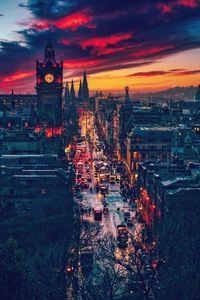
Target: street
x,y
94,173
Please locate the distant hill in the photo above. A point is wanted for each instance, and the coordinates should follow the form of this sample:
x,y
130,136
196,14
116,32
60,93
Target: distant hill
x,y
176,93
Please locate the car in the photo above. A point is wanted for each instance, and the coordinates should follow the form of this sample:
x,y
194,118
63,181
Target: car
x,y
112,181
129,223
97,214
122,236
85,185
103,189
89,179
127,216
79,196
103,180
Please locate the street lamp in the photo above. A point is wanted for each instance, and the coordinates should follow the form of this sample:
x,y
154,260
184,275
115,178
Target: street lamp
x,y
69,269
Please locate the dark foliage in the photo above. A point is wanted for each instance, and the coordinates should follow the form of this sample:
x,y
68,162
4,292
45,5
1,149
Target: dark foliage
x,y
33,249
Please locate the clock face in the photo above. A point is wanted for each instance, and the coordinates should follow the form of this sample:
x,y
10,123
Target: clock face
x,y
49,78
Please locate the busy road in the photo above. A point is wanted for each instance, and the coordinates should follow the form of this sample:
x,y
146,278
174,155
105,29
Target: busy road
x,y
98,189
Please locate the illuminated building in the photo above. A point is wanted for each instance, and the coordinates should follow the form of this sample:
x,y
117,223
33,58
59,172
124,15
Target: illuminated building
x,y
49,86
147,143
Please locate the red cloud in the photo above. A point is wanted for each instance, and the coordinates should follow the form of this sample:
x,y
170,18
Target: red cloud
x,y
65,42
81,64
106,51
104,41
72,21
165,8
17,76
151,51
188,3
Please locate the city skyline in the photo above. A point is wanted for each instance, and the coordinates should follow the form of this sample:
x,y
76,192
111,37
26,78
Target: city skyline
x,y
150,46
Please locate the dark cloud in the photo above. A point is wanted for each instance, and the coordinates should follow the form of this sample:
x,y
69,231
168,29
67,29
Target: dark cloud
x,y
104,35
174,72
148,74
188,72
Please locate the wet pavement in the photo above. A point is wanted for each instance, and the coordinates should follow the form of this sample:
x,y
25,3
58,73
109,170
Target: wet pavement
x,y
87,155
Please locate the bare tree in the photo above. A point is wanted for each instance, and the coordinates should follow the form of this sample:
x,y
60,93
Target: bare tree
x,y
138,266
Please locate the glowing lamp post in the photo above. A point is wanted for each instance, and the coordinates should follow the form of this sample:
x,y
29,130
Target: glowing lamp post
x,y
69,269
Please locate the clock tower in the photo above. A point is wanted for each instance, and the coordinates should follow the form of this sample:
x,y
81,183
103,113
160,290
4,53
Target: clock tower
x,y
49,86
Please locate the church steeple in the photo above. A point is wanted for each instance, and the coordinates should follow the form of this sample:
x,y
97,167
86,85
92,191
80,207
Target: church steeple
x,y
72,91
49,54
80,91
67,95
85,90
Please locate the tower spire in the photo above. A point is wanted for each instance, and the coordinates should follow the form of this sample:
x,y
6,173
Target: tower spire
x,y
80,91
72,91
49,54
67,95
85,90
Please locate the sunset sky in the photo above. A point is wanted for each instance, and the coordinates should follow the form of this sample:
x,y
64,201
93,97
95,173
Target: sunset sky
x,y
149,45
